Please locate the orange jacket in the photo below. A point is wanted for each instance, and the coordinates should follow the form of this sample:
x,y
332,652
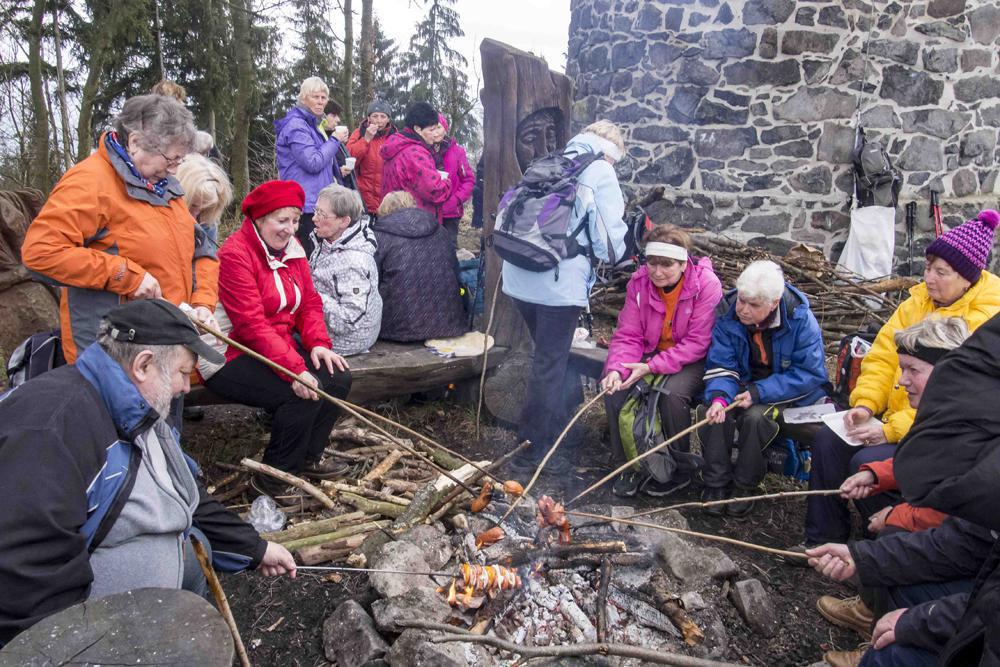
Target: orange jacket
x,y
368,169
101,231
904,515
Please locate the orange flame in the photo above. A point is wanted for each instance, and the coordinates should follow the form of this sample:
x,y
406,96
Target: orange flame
x,y
452,597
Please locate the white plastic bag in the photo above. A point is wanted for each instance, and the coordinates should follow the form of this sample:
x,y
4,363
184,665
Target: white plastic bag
x,y
871,242
265,516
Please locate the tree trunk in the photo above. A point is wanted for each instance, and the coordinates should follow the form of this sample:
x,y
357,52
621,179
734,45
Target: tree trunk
x,y
84,136
367,53
158,45
61,82
239,160
348,85
38,167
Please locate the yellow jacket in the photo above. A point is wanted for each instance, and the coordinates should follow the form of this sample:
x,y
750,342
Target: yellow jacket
x,y
878,385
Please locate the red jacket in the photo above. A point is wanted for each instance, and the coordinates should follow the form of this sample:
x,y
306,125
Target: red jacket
x,y
904,515
410,166
267,298
368,170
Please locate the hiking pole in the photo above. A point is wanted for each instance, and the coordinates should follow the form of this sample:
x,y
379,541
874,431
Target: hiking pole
x,y
911,222
936,213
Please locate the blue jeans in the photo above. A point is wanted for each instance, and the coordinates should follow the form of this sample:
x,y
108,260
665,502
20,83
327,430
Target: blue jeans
x,y
833,461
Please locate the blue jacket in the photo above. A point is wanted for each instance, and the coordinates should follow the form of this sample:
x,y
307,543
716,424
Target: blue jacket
x,y
67,465
304,154
599,200
798,361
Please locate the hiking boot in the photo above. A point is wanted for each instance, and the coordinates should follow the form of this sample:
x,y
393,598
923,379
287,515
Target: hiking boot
x,y
740,509
845,658
850,613
627,484
710,494
660,489
325,469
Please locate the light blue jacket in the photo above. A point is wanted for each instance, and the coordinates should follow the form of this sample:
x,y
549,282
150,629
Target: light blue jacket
x,y
598,196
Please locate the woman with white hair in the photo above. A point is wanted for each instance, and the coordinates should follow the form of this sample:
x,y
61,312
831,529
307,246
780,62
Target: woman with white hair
x,y
551,301
766,354
304,153
207,191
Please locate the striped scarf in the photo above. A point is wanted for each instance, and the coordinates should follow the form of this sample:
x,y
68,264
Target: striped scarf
x,y
159,187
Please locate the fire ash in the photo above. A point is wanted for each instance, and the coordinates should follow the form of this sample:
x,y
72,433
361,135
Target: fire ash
x,y
553,515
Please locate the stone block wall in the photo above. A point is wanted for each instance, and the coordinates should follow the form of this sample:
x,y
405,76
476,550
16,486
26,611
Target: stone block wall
x,y
746,109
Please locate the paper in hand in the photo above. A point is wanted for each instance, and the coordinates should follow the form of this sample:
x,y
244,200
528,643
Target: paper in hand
x,y
835,420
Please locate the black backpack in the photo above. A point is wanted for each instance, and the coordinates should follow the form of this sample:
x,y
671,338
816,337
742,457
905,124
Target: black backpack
x,y
876,181
37,354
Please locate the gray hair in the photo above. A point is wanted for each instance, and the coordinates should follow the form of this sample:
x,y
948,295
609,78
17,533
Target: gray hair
x,y
762,279
204,142
310,86
946,333
342,201
125,353
158,122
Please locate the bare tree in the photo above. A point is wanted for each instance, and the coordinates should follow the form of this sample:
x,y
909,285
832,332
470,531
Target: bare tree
x,y
348,85
239,160
61,87
367,52
39,175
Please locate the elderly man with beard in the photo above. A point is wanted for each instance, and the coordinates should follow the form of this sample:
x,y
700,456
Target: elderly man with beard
x,y
98,496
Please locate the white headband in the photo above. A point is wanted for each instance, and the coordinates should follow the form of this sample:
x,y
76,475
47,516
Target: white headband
x,y
607,147
668,250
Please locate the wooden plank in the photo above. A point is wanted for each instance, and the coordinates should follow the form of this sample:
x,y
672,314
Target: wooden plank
x,y
589,362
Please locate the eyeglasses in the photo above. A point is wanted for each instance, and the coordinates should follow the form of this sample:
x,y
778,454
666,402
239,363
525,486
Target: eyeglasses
x,y
320,214
172,161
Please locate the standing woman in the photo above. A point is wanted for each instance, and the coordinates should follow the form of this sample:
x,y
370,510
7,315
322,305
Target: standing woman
x,y
267,293
409,161
450,156
305,154
115,226
365,145
664,329
551,301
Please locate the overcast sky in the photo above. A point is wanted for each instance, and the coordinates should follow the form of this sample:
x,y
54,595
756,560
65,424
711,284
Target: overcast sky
x,y
538,26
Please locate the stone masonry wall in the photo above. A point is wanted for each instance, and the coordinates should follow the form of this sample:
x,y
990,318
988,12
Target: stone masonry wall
x,y
745,109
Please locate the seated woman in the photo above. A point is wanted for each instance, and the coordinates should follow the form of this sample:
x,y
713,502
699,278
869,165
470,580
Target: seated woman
x,y
766,354
956,284
268,295
663,330
344,270
207,192
417,274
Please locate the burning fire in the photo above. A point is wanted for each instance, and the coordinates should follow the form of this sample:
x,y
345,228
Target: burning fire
x,y
481,581
553,515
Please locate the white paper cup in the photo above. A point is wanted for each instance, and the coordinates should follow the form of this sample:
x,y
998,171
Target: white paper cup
x,y
350,162
443,173
340,128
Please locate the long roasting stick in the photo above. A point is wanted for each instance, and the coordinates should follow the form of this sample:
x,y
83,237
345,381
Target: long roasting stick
x,y
220,599
548,455
331,568
628,464
743,499
347,406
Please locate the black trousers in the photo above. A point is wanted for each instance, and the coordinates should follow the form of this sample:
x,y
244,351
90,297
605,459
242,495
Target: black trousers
x,y
303,231
555,391
451,226
301,428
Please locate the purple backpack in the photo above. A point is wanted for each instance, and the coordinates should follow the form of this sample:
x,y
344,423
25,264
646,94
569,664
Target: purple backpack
x,y
534,218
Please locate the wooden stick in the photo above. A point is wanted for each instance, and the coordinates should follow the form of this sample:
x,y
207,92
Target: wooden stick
x,y
453,495
649,452
691,533
602,600
453,634
335,488
335,535
289,478
486,349
220,599
383,467
373,506
743,499
552,450
311,528
400,485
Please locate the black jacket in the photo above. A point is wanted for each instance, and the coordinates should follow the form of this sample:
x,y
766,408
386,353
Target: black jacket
x,y
950,461
417,278
67,465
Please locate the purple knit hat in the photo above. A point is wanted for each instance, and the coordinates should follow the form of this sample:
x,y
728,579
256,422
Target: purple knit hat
x,y
966,248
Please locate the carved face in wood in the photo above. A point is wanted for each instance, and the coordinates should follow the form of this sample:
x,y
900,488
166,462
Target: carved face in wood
x,y
538,134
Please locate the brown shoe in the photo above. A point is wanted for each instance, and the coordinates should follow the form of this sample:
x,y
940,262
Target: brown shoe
x,y
850,613
325,469
845,658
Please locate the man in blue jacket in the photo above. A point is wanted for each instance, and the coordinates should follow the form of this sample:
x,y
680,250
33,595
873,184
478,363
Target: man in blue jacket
x,y
98,496
766,353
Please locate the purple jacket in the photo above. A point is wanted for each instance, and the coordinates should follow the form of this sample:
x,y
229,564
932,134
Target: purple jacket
x,y
303,154
641,321
462,178
409,165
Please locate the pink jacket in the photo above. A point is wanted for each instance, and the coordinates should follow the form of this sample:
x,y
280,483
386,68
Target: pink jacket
x,y
410,166
461,175
641,321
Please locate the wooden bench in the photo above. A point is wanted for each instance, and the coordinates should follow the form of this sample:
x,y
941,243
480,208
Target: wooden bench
x,y
589,362
391,369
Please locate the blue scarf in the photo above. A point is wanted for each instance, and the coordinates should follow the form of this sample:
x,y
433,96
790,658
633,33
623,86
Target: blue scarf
x,y
159,187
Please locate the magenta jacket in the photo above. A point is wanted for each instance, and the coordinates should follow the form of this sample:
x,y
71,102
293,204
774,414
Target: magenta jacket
x,y
641,321
409,165
462,178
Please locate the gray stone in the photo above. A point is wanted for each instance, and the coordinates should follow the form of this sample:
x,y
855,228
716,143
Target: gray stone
x,y
728,43
941,9
850,69
818,180
646,84
675,16
760,153
977,147
922,154
674,168
750,166
350,638
816,70
684,104
660,134
911,88
941,60
594,59
398,555
750,203
964,182
830,221
714,182
988,182
731,98
416,604
767,12
754,605
693,601
881,115
756,73
901,51
724,144
783,166
771,224
800,148
773,245
984,21
621,81
724,15
990,115
413,649
627,54
690,563
664,211
433,543
836,144
650,18
696,72
711,165
976,88
631,113
805,16
712,113
662,55
760,182
937,122
976,58
697,18
833,16
598,84
768,47
845,181
796,42
944,29
812,104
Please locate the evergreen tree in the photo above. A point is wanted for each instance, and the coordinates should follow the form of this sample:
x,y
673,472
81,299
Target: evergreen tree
x,y
390,82
317,48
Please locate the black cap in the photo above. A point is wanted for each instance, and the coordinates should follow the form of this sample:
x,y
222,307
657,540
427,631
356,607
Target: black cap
x,y
158,322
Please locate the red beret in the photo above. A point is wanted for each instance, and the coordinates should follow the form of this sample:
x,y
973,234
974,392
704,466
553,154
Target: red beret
x,y
271,196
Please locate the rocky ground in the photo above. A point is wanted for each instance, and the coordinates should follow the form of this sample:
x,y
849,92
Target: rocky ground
x,y
282,619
